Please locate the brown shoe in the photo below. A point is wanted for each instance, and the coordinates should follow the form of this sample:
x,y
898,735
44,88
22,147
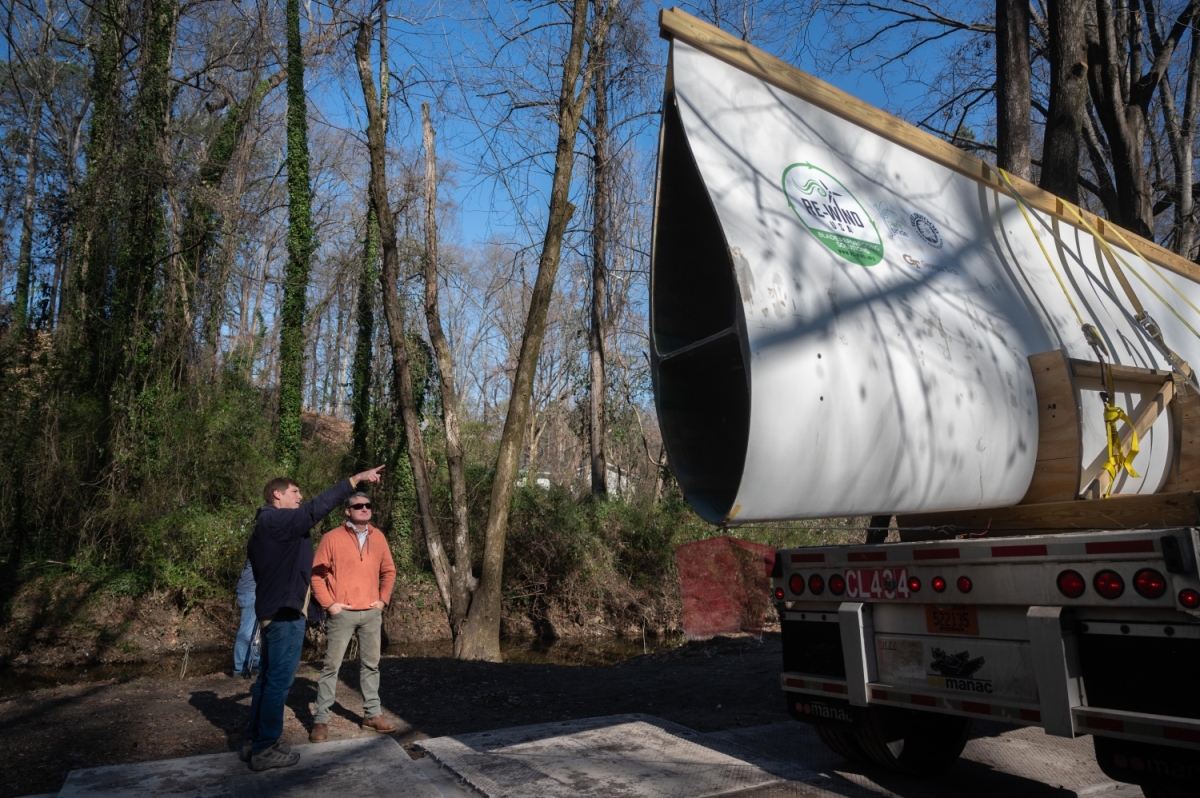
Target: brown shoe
x,y
319,733
378,724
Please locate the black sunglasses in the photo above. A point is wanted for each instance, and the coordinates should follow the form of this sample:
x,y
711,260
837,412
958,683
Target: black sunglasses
x,y
360,506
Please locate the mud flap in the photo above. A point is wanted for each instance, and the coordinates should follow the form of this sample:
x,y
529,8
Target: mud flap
x,y
822,711
1149,764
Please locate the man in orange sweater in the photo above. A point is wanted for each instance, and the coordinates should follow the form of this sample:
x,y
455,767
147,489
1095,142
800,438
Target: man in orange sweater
x,y
352,579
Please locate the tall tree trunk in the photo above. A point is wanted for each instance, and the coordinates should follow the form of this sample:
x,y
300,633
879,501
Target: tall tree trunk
x,y
1068,93
360,380
601,194
28,207
481,632
1013,92
463,581
202,221
87,272
300,248
394,315
1121,94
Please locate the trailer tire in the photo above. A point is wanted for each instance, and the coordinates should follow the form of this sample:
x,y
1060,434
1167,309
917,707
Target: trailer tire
x,y
843,743
912,742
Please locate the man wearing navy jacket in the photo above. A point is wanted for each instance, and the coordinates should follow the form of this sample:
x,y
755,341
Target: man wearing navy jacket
x,y
281,556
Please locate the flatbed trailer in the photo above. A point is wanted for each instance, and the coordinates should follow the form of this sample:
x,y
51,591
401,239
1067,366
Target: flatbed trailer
x,y
851,317
890,649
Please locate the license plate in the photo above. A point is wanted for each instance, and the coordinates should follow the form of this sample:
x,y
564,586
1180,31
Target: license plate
x,y
952,619
877,583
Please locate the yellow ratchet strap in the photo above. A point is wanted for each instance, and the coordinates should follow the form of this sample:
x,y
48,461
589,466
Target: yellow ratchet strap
x,y
1021,204
1117,461
1147,323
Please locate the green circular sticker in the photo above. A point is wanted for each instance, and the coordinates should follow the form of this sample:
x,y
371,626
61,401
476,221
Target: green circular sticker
x,y
832,214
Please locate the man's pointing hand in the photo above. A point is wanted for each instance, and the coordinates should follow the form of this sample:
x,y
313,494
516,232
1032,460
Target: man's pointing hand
x,y
367,476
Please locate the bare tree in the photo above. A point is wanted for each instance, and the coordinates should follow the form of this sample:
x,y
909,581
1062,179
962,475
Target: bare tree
x,y
482,628
1013,88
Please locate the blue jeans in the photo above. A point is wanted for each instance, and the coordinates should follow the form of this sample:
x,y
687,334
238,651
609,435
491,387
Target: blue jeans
x,y
242,653
281,644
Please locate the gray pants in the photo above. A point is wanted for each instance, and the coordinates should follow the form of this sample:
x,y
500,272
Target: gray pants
x,y
338,631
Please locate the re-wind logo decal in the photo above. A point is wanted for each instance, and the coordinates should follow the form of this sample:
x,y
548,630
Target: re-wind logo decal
x,y
832,214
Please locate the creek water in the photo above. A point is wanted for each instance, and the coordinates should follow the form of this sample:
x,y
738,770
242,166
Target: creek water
x,y
587,651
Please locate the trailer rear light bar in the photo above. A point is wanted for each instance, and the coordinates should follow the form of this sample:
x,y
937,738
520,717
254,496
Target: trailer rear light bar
x,y
1111,545
1028,714
1179,732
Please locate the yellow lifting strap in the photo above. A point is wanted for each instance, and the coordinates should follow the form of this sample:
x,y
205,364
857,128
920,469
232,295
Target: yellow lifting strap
x,y
1116,454
1117,460
1148,325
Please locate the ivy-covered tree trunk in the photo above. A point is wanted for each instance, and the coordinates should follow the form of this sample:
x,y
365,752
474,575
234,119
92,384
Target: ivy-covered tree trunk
x,y
97,214
300,248
136,303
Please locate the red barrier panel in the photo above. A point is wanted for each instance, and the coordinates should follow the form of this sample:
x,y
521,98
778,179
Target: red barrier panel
x,y
726,586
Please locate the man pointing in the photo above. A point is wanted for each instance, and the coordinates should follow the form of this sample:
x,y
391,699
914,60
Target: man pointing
x,y
281,555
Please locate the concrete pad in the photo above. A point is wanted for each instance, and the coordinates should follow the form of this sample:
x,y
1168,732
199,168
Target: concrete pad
x,y
1000,761
634,756
361,768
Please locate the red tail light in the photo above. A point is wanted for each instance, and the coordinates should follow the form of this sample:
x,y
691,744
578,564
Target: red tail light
x,y
914,584
1189,598
796,584
1071,584
1149,583
1109,584
964,584
837,585
779,593
816,584
939,584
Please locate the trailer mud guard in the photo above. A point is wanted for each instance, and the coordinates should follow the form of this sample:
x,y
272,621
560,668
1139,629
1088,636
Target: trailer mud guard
x,y
858,648
1056,665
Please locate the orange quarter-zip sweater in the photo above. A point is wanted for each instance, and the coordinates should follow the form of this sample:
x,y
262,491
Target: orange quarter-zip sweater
x,y
344,574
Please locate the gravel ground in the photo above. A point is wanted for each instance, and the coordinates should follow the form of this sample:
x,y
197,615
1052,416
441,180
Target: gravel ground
x,y
725,683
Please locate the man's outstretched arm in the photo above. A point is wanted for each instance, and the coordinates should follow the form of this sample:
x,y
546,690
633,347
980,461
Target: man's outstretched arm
x,y
308,514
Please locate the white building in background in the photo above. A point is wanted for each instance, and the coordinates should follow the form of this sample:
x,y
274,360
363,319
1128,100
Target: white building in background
x,y
617,480
539,479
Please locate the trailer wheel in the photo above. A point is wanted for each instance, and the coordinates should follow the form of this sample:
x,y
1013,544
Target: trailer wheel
x,y
912,742
843,743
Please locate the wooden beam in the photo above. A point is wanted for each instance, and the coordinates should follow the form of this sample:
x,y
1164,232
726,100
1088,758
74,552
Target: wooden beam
x,y
1185,471
1056,469
1087,369
1144,416
675,24
1120,512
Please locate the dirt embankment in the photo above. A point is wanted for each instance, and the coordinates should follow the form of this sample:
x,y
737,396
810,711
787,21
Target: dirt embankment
x,y
57,622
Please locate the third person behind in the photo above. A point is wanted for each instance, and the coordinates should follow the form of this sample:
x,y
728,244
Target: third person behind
x,y
352,578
